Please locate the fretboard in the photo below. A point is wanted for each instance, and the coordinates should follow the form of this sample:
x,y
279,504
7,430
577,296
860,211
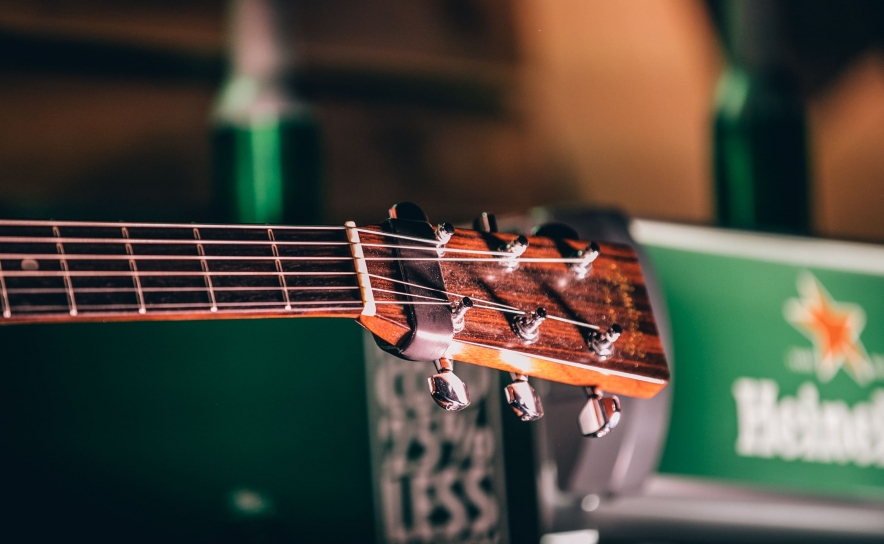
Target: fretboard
x,y
57,270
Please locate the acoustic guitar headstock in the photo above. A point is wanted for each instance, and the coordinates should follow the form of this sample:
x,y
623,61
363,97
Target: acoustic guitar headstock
x,y
559,309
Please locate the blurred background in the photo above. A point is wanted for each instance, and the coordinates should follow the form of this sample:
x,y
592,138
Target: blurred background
x,y
109,109
757,115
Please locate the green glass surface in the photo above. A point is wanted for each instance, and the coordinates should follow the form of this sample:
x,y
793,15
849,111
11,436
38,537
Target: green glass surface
x,y
215,431
728,323
268,171
760,154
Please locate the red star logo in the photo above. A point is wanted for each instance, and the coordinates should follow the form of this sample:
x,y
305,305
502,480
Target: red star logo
x,y
834,329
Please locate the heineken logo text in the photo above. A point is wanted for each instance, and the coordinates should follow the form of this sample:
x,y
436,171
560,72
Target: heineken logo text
x,y
807,428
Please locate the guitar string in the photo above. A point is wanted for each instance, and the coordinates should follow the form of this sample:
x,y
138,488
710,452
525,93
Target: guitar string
x,y
433,245
261,228
499,306
100,257
505,310
484,304
172,241
114,290
124,290
272,305
148,274
233,311
111,225
353,304
188,226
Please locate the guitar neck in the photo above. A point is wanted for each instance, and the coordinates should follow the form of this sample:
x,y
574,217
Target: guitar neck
x,y
77,271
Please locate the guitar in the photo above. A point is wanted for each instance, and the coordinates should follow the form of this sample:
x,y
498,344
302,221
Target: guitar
x,y
551,308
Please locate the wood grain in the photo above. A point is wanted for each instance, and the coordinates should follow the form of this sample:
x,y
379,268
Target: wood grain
x,y
96,267
613,292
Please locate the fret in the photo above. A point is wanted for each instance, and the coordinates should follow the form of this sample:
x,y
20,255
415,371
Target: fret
x,y
205,266
165,241
147,274
282,282
197,308
50,290
144,271
72,303
4,295
134,268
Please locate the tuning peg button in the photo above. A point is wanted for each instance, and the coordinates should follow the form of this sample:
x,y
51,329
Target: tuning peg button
x,y
600,414
449,391
522,398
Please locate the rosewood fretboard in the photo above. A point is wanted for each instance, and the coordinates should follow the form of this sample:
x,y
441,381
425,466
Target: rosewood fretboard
x,y
51,270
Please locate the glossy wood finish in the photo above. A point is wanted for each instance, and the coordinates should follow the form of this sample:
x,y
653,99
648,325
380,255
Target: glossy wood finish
x,y
613,292
114,272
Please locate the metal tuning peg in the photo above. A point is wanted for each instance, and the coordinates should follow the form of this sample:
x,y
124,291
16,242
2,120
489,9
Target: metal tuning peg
x,y
515,250
447,389
458,311
602,343
528,326
444,232
485,223
523,399
600,415
586,256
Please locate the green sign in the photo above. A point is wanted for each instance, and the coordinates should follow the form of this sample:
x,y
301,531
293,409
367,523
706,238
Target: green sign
x,y
778,358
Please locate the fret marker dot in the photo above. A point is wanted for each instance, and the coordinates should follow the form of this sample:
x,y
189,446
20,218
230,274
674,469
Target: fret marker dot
x,y
30,264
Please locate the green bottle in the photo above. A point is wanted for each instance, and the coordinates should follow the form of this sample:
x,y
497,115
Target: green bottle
x,y
760,135
266,142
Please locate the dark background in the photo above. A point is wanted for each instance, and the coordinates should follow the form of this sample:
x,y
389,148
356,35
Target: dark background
x,y
459,105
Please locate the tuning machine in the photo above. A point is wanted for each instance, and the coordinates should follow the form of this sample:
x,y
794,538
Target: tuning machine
x,y
586,256
444,232
449,391
513,251
522,398
527,327
458,311
602,343
600,414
